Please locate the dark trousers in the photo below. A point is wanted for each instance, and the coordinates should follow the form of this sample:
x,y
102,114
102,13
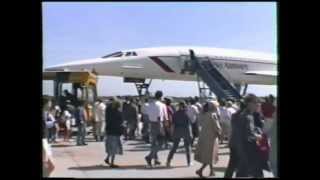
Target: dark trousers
x,y
195,131
242,163
166,138
176,142
132,126
130,129
155,147
155,141
255,161
145,132
231,165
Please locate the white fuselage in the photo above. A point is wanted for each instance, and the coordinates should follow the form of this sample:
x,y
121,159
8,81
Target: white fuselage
x,y
167,62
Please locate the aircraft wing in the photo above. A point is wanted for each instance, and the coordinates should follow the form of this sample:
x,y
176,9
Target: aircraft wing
x,y
262,73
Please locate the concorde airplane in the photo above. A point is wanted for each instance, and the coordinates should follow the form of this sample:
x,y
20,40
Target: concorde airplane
x,y
167,63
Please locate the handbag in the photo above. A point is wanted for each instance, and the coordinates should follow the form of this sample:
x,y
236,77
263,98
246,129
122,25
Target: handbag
x,y
264,150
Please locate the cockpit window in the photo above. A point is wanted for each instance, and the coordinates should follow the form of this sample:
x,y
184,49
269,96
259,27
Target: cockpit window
x,y
131,53
116,54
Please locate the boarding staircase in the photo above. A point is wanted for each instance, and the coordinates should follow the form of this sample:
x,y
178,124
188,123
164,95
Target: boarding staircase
x,y
219,85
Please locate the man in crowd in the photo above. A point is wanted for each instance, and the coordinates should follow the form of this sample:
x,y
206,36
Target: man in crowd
x,y
130,116
99,119
81,121
246,138
157,115
181,130
145,121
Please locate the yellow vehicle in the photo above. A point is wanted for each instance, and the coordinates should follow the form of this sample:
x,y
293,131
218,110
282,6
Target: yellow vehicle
x,y
83,87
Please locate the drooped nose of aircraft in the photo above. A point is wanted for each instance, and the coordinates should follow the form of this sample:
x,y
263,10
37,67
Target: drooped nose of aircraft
x,y
101,66
83,65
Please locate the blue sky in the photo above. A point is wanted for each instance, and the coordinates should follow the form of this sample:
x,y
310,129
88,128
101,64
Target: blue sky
x,y
73,31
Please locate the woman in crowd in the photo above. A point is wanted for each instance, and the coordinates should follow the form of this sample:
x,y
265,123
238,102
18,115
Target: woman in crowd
x,y
181,126
207,147
114,129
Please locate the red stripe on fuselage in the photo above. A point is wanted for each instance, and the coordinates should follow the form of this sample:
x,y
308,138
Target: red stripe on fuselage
x,y
163,65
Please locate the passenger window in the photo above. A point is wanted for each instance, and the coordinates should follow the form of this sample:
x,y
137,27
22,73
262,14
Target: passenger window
x,y
134,54
128,54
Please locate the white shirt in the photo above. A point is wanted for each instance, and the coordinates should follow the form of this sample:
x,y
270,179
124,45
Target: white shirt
x,y
144,108
192,112
96,104
231,110
235,107
100,112
155,110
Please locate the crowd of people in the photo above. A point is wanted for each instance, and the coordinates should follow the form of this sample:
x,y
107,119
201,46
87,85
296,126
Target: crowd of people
x,y
248,126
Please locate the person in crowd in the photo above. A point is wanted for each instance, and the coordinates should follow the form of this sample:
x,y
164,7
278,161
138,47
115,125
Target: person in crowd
x,y
125,115
170,111
230,107
268,109
57,116
68,117
145,121
157,114
81,122
48,164
235,105
181,125
236,148
225,118
193,113
138,103
198,104
90,115
274,145
247,144
207,147
96,120
132,119
99,119
65,123
263,147
231,110
67,98
218,113
114,129
50,123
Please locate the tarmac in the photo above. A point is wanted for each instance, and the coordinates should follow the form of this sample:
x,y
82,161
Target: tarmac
x,y
73,161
